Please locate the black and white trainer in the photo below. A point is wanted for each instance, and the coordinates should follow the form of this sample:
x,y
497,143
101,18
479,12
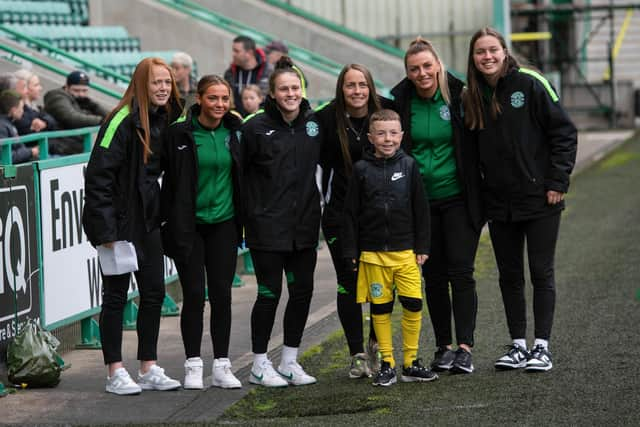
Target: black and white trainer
x,y
386,375
417,373
515,357
540,360
463,363
442,359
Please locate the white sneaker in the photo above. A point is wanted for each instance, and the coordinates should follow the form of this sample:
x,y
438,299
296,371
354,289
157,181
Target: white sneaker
x,y
122,384
155,379
222,376
193,374
266,376
294,374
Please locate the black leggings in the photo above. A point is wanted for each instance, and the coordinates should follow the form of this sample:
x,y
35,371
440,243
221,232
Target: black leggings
x,y
150,280
214,250
349,311
508,240
298,266
454,243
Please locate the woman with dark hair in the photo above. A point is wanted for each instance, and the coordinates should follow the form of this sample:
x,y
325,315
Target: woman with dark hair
x,y
200,223
429,102
527,148
280,149
345,122
122,203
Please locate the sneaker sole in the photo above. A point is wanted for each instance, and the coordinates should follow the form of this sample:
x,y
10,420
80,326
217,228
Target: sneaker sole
x,y
405,379
226,386
193,387
159,388
120,393
256,382
357,377
391,382
461,370
508,367
538,368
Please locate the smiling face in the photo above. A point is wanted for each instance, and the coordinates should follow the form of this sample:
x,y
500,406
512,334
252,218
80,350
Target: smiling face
x,y
250,101
288,94
488,57
422,70
159,85
356,93
215,102
386,136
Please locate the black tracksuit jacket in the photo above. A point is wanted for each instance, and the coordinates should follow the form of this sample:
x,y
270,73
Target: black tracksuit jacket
x,y
528,149
386,208
463,144
279,162
180,183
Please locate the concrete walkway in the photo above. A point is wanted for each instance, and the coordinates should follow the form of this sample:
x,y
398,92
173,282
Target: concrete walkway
x,y
80,397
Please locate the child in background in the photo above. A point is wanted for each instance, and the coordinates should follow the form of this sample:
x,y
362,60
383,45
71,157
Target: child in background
x,y
12,109
387,223
251,98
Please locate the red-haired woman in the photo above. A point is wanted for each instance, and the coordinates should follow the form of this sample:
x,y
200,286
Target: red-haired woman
x,y
122,203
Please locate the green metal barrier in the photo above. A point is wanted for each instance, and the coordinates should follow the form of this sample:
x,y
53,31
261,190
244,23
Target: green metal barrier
x,y
391,50
42,138
297,53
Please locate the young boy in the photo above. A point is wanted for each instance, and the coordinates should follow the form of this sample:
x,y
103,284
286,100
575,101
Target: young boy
x,y
387,223
11,109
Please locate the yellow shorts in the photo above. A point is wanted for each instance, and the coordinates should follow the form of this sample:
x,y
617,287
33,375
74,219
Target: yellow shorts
x,y
377,282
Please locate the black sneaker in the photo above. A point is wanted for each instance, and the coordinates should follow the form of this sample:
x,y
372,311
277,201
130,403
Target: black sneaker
x,y
442,359
417,372
386,375
462,363
515,357
539,360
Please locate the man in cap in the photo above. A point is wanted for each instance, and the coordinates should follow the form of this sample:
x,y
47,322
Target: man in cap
x,y
275,50
72,108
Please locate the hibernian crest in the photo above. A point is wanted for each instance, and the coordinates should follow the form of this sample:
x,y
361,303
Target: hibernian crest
x,y
517,99
376,290
445,114
227,140
312,128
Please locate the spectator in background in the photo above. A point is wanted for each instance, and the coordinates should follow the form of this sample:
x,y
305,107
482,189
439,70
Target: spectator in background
x,y
251,98
249,66
34,118
11,108
7,81
275,50
182,66
72,108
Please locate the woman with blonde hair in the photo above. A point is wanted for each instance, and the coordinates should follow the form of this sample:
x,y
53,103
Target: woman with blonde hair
x,y
430,104
122,204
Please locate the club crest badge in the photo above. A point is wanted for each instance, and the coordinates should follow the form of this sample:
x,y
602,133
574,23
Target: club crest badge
x,y
517,99
312,128
445,114
376,290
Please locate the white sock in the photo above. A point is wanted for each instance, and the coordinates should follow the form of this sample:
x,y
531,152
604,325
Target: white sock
x,y
289,354
521,342
543,343
258,360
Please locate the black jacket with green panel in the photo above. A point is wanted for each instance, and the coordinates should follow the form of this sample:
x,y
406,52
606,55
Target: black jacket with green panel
x,y
122,194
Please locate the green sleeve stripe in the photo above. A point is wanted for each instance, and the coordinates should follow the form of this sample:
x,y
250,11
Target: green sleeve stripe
x,y
113,126
321,106
302,80
542,80
250,116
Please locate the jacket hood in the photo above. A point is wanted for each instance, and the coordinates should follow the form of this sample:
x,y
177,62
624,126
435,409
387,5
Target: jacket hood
x,y
261,58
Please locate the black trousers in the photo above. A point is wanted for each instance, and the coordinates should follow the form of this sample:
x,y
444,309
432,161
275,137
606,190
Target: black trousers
x,y
212,262
454,243
150,280
298,266
508,240
349,311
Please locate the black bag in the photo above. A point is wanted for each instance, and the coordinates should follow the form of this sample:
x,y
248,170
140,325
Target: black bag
x,y
32,359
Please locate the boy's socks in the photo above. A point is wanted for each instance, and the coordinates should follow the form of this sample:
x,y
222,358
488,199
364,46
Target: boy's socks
x,y
382,326
411,321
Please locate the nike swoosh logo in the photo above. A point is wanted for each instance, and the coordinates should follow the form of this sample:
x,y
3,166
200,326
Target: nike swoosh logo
x,y
396,176
259,378
269,132
181,147
289,377
332,240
